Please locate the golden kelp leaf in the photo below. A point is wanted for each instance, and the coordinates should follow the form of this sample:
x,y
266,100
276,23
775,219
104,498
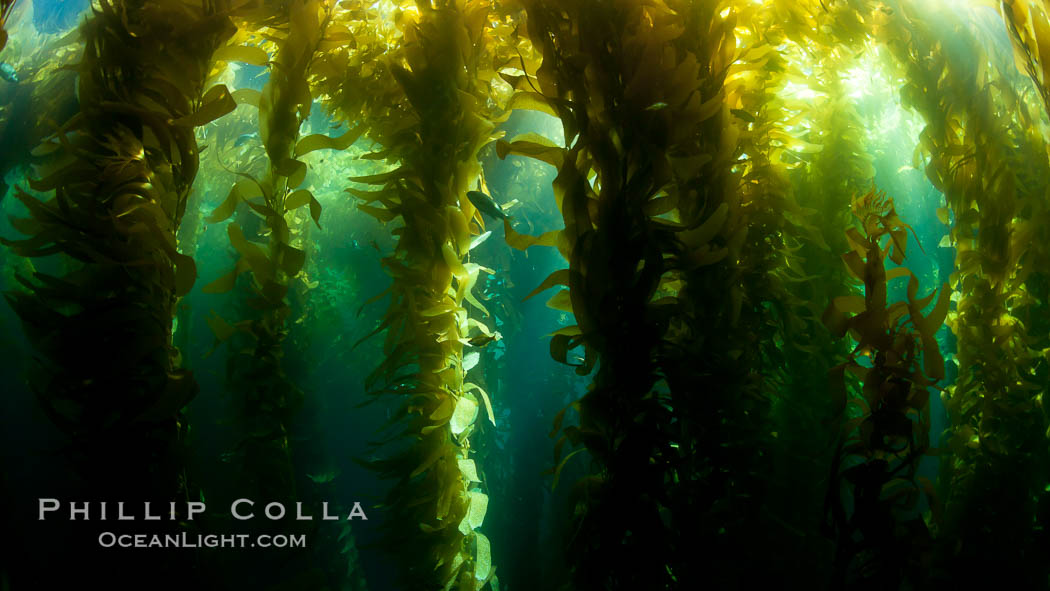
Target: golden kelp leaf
x,y
255,257
216,103
942,216
560,277
849,304
247,96
323,142
854,263
226,208
444,410
897,272
531,101
710,106
523,241
434,456
470,360
561,301
468,387
479,505
439,309
381,178
570,331
469,470
465,413
532,145
185,274
247,54
836,321
459,228
709,229
453,262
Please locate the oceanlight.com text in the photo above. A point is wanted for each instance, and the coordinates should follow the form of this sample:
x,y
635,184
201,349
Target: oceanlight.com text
x,y
186,540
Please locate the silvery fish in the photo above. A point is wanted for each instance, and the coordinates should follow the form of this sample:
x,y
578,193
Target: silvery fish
x,y
486,205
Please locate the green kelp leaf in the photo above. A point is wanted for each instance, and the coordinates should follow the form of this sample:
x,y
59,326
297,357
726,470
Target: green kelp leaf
x,y
380,213
837,387
314,142
561,465
315,210
227,208
292,259
247,54
325,477
298,199
226,282
470,360
247,96
464,415
483,559
216,103
294,170
220,328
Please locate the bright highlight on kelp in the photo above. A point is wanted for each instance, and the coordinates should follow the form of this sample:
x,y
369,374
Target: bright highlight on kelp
x,y
746,387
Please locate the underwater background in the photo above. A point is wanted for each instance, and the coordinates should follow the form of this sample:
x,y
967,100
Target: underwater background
x,y
559,294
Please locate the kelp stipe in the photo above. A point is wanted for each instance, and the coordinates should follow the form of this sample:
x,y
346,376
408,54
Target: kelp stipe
x,y
882,538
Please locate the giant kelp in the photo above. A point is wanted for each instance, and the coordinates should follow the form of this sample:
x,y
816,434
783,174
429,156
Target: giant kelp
x,y
655,232
117,177
881,537
255,365
431,128
981,160
711,150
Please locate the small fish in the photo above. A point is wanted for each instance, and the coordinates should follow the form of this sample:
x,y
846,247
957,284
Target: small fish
x,y
656,106
486,205
7,72
244,138
743,115
483,339
325,477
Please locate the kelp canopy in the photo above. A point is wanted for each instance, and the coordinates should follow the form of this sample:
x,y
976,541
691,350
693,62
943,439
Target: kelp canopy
x,y
797,246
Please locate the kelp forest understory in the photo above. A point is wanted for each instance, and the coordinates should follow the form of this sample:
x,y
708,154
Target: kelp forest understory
x,y
508,295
